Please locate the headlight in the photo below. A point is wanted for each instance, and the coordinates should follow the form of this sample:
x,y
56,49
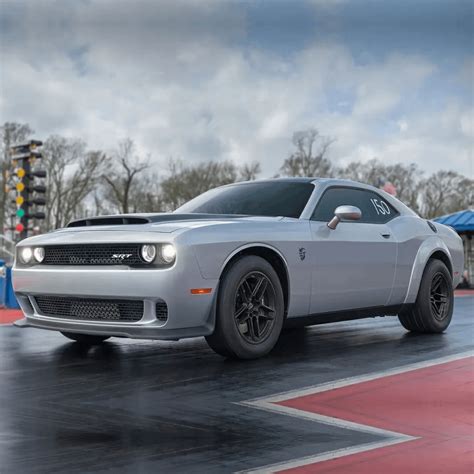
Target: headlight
x,y
38,253
168,253
26,254
148,253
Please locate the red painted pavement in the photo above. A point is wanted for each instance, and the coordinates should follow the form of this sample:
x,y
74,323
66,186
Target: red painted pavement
x,y
8,316
467,292
434,403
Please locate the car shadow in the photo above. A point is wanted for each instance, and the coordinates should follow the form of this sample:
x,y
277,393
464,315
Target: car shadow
x,y
73,351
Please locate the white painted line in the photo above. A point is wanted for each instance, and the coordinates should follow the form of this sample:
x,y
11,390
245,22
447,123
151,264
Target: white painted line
x,y
269,404
327,456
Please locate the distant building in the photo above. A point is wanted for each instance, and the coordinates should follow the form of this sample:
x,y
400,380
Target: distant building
x,y
463,223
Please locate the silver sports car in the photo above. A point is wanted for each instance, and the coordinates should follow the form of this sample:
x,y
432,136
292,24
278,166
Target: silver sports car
x,y
239,263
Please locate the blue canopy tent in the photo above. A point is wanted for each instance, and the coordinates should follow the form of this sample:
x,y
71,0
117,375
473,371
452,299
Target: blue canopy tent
x,y
463,223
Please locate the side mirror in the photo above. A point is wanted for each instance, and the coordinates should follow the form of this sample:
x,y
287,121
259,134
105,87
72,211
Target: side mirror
x,y
344,213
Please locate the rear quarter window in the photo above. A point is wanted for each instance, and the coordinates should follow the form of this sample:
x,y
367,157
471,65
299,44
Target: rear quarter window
x,y
375,209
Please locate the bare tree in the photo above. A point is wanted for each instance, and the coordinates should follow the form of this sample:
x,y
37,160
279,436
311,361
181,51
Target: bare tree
x,y
445,192
72,175
149,194
250,171
145,195
10,134
405,178
60,154
368,172
125,167
187,182
82,182
309,159
98,204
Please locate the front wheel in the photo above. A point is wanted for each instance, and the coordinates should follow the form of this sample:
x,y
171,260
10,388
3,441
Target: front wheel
x,y
433,308
85,339
250,310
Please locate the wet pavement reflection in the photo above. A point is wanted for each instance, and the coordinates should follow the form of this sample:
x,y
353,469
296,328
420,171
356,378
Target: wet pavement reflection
x,y
148,406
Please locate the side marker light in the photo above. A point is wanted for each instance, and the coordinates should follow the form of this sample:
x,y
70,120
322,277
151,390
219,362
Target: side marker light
x,y
201,291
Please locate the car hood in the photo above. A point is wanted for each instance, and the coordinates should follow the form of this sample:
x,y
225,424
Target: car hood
x,y
114,228
162,222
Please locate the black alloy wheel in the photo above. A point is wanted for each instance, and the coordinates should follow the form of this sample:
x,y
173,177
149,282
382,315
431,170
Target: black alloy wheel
x,y
250,309
433,309
439,296
254,311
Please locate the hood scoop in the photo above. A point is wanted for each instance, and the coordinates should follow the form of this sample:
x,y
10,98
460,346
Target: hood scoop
x,y
106,220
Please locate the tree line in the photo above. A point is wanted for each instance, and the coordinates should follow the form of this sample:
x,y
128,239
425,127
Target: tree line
x,y
83,182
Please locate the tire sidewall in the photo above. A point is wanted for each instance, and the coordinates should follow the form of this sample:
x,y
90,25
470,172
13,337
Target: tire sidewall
x,y
225,324
423,300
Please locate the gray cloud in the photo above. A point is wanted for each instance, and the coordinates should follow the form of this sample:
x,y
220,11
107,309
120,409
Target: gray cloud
x,y
185,79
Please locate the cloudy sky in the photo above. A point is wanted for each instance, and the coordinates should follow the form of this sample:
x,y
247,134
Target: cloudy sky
x,y
208,79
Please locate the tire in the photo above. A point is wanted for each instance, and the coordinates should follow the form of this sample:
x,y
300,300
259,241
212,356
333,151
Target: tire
x,y
85,339
249,317
433,309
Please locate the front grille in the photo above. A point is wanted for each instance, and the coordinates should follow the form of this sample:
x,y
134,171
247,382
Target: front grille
x,y
92,309
161,311
95,254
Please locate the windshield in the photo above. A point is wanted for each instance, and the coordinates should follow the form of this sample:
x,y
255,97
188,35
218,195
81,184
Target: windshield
x,y
269,198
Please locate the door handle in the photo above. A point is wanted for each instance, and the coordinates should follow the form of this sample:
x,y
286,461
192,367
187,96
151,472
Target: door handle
x,y
386,236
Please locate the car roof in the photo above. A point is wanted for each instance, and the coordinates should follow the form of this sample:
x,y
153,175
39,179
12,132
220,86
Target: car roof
x,y
272,180
298,179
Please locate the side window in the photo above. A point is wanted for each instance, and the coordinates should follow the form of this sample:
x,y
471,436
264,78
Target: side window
x,y
375,209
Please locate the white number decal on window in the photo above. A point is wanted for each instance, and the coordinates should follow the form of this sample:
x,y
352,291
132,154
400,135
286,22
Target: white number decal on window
x,y
381,207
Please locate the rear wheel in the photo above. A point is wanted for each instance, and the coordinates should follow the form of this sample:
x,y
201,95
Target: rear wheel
x,y
85,339
433,308
250,310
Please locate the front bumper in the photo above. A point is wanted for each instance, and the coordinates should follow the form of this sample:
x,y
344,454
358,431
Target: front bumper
x,y
134,331
188,315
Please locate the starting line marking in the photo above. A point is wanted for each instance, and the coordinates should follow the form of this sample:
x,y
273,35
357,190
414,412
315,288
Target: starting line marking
x,y
269,403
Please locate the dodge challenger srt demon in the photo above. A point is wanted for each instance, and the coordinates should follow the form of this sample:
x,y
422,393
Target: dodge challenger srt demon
x,y
238,263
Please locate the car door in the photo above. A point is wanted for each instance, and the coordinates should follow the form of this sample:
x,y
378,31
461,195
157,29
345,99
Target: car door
x,y
353,266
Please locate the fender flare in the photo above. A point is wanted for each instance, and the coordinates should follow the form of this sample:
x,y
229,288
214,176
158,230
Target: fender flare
x,y
252,245
426,250
249,246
